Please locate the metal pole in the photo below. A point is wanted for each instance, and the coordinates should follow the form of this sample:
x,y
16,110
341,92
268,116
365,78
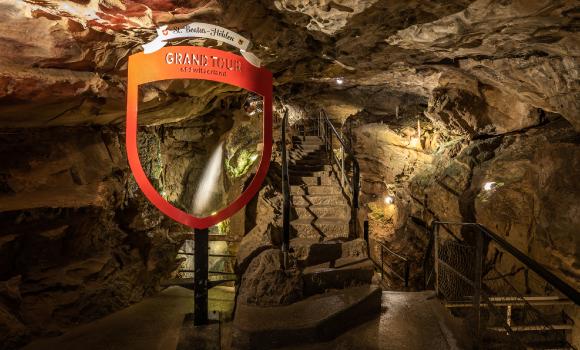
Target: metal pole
x,y
436,256
342,165
406,274
382,262
366,233
200,277
477,287
319,114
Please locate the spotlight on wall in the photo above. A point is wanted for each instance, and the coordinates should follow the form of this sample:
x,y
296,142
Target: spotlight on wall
x,y
389,199
340,81
488,186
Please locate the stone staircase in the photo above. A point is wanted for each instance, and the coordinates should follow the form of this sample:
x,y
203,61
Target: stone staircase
x,y
338,294
320,209
336,276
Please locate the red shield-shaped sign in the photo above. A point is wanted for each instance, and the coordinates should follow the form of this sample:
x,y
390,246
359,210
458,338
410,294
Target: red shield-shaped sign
x,y
190,62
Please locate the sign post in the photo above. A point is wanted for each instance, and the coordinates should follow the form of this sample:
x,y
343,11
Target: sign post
x,y
200,277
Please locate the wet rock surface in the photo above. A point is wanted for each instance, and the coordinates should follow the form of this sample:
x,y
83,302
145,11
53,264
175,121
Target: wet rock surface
x,y
78,240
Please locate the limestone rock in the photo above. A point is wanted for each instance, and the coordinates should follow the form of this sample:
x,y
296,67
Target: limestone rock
x,y
265,282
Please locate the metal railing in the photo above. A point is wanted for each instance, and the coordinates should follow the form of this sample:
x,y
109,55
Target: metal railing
x,y
285,194
351,187
499,288
395,260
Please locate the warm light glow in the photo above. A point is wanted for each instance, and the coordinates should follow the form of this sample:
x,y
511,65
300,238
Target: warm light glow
x,y
339,81
488,186
389,200
208,181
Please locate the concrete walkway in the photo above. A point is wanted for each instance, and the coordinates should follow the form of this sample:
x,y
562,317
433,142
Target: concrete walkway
x,y
153,324
408,321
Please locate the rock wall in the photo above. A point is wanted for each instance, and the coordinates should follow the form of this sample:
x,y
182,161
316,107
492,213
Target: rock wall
x,y
532,203
79,241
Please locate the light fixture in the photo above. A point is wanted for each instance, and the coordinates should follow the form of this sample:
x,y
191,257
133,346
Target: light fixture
x,y
389,199
339,81
488,186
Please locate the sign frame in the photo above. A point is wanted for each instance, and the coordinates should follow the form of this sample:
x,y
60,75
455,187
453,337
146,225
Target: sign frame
x,y
209,64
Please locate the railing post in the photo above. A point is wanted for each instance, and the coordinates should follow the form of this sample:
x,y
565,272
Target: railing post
x,y
382,262
366,235
436,256
356,188
200,276
406,274
342,165
330,149
286,195
477,287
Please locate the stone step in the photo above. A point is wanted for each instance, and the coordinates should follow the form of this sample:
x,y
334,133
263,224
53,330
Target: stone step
x,y
307,162
189,282
308,143
307,190
300,154
307,138
322,211
299,200
308,159
325,228
316,318
310,167
314,181
339,274
307,147
310,252
307,173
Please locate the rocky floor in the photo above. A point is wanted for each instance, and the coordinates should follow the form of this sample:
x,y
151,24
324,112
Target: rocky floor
x,y
408,321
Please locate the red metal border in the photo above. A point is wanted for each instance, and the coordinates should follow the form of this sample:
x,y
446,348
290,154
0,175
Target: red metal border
x,y
153,67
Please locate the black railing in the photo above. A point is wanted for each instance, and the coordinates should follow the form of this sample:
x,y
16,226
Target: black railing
x,y
389,265
464,277
351,187
285,193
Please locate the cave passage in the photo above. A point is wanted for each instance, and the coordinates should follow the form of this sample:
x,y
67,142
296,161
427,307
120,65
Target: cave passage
x,y
422,191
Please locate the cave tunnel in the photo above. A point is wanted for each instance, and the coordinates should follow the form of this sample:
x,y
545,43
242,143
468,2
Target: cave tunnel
x,y
422,190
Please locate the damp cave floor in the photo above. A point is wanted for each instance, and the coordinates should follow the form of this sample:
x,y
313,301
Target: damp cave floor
x,y
408,321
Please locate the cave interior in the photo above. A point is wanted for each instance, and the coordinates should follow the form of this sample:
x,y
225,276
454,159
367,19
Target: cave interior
x,y
422,192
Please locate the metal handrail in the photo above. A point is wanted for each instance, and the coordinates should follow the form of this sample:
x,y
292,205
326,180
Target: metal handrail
x,y
406,261
285,193
326,130
480,293
541,271
384,248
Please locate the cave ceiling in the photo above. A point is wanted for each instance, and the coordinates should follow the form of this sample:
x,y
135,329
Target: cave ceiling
x,y
484,66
